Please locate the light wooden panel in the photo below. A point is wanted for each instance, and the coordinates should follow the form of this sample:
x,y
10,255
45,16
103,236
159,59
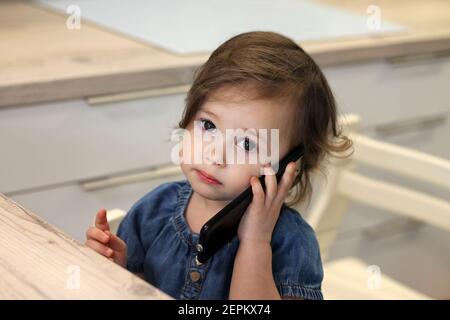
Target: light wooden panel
x,y
38,261
42,60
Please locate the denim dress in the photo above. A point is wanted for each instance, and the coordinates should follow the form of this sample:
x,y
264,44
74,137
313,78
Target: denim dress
x,y
163,247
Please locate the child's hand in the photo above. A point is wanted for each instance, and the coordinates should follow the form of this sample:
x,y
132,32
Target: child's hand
x,y
100,239
260,218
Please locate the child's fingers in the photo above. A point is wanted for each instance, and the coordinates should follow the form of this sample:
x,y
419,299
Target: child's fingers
x,y
271,185
286,182
97,234
258,193
100,248
100,220
115,242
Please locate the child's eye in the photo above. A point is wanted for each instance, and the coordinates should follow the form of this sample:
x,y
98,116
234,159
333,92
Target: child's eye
x,y
247,144
207,125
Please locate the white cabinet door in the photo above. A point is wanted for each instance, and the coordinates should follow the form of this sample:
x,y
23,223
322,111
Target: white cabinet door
x,y
382,92
60,142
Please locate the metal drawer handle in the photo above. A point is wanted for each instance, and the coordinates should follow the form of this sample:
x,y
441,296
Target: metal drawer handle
x,y
417,59
411,125
134,95
149,174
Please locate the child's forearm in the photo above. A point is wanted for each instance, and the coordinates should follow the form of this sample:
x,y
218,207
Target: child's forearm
x,y
252,273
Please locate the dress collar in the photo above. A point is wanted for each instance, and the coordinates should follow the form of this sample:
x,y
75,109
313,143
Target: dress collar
x,y
187,235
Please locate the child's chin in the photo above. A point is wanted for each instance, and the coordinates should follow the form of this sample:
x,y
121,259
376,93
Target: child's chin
x,y
210,192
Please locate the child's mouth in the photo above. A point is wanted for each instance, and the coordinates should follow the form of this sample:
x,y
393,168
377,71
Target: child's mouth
x,y
207,178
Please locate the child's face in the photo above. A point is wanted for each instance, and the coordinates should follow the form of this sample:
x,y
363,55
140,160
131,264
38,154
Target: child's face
x,y
231,111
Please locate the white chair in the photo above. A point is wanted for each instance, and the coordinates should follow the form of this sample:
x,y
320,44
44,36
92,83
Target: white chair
x,y
350,278
114,217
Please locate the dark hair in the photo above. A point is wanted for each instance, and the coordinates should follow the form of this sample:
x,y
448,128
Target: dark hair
x,y
277,68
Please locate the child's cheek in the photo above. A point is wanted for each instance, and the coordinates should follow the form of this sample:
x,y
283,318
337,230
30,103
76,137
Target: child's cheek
x,y
189,146
241,174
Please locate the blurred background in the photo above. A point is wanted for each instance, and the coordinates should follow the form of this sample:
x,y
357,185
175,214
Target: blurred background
x,y
91,89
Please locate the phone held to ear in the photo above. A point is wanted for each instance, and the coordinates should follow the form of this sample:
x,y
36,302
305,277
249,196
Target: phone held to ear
x,y
222,227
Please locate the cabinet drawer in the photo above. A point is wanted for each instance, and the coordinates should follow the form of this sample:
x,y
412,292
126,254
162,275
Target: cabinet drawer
x,y
383,92
72,208
67,141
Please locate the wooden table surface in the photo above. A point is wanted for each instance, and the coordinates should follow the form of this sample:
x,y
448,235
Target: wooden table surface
x,y
41,60
38,261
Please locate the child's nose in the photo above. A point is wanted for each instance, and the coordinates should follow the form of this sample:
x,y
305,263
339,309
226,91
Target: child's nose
x,y
217,157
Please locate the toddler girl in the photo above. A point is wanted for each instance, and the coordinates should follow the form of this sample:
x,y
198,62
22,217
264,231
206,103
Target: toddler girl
x,y
253,82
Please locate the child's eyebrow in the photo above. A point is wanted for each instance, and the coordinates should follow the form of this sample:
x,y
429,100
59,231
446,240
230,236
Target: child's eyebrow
x,y
209,112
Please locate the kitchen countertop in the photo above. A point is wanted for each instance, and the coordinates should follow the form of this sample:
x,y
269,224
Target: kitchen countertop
x,y
38,261
43,61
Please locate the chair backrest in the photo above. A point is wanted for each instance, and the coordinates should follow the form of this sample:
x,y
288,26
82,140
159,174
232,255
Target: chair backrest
x,y
114,218
345,185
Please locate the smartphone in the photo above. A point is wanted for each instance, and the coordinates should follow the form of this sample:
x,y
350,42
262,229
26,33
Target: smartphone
x,y
223,226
